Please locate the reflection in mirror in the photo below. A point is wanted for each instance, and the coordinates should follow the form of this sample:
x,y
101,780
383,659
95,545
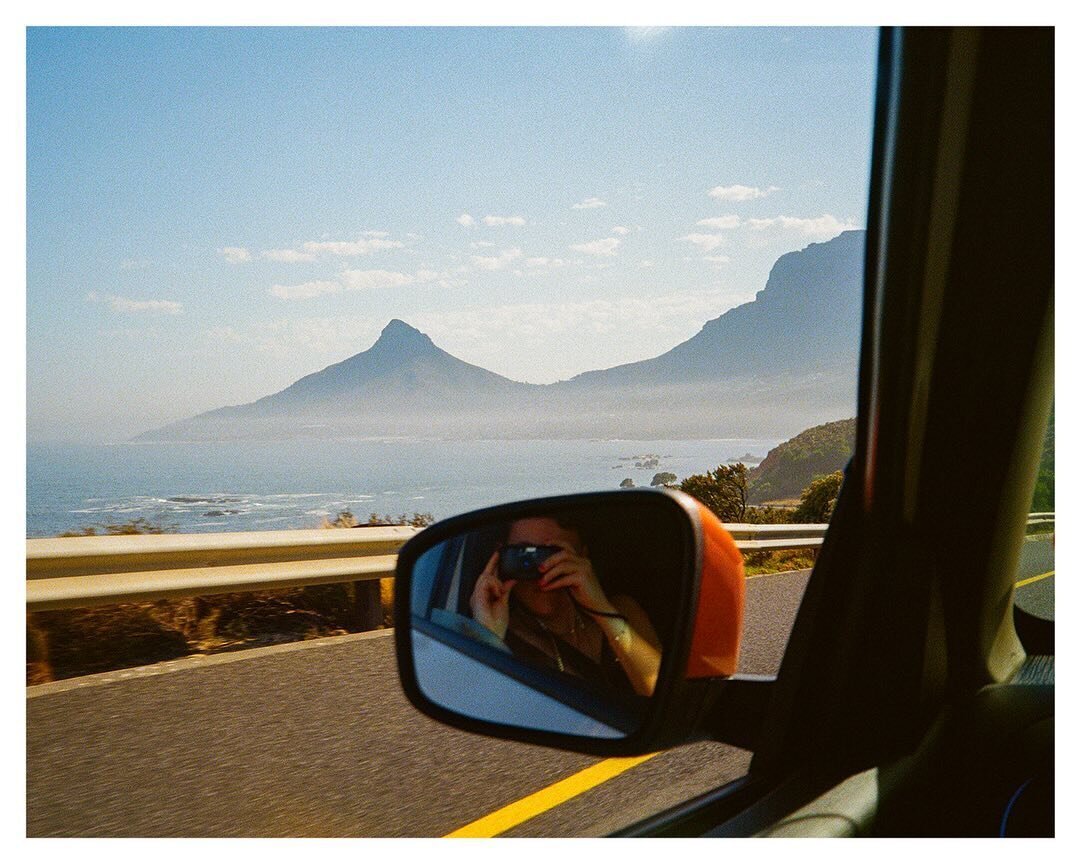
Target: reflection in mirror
x,y
553,621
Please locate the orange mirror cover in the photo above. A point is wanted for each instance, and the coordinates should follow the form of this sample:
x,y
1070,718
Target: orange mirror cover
x,y
714,649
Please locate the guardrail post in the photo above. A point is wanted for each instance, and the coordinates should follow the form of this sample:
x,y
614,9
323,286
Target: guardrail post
x,y
367,604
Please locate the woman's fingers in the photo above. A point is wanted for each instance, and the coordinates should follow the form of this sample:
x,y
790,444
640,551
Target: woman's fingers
x,y
554,560
569,580
563,568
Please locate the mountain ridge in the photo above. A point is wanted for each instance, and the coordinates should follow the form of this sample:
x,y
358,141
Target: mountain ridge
x,y
775,363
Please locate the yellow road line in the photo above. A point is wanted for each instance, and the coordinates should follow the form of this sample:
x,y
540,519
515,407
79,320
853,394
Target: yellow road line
x,y
552,796
1024,582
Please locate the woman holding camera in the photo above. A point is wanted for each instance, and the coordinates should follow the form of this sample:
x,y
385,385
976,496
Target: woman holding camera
x,y
564,618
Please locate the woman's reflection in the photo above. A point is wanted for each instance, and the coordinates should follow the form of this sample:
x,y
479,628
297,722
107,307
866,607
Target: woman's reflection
x,y
558,614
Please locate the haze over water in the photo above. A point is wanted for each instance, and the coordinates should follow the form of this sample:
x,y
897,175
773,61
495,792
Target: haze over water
x,y
241,486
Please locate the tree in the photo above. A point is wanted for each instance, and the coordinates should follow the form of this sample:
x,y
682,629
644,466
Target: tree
x,y
819,498
664,478
722,490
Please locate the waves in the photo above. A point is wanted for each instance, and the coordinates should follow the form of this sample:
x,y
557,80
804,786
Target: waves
x,y
224,511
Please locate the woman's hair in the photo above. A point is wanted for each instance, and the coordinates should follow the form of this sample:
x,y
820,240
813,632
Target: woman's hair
x,y
564,521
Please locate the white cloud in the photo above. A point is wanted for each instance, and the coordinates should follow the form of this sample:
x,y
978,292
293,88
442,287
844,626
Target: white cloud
x,y
545,262
721,223
821,227
367,280
465,220
136,307
289,256
607,246
305,291
481,244
350,249
376,234
740,193
235,254
589,204
705,242
718,259
496,221
620,229
500,262
646,262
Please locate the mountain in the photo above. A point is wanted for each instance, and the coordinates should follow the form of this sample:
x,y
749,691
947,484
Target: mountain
x,y
805,320
403,385
782,362
403,368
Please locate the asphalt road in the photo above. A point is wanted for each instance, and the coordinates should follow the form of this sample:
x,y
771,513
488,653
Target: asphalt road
x,y
316,739
1033,594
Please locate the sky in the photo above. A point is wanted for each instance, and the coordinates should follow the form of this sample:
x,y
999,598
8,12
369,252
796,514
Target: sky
x,y
213,213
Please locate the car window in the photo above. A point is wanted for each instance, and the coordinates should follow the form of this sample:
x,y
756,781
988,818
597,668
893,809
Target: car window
x,y
1034,599
284,279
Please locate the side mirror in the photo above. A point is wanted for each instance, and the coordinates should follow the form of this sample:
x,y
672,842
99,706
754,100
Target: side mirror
x,y
603,622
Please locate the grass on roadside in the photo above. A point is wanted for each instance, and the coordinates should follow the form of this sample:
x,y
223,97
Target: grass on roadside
x,y
760,563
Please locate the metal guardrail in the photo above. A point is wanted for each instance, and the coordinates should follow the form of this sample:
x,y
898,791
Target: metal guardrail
x,y
74,572
77,572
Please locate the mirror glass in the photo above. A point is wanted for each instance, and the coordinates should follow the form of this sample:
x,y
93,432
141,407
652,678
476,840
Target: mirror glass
x,y
553,620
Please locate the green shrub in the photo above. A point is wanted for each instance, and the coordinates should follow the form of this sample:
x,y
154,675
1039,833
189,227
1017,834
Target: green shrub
x,y
722,490
818,500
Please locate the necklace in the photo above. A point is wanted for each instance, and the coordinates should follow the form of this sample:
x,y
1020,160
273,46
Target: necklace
x,y
554,645
572,640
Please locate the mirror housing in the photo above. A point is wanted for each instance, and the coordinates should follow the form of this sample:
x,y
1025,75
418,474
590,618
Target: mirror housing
x,y
695,601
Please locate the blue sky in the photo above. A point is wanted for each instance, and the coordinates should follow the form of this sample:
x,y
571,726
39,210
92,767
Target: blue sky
x,y
212,213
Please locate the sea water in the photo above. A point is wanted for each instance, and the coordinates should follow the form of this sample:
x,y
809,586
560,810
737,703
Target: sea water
x,y
245,486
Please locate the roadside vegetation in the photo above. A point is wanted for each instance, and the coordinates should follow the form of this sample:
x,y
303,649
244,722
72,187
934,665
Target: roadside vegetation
x,y
813,462
725,491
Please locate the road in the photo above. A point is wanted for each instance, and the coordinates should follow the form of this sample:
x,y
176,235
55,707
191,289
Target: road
x,y
316,739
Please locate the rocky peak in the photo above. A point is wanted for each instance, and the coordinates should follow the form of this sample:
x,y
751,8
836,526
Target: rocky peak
x,y
397,336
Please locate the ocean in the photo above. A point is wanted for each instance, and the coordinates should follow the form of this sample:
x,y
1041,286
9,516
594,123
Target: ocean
x,y
244,486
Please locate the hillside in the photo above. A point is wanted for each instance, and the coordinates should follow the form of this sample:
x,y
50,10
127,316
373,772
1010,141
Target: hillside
x,y
789,467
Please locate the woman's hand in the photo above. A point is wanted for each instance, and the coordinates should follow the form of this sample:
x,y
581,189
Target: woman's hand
x,y
574,572
626,626
490,601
